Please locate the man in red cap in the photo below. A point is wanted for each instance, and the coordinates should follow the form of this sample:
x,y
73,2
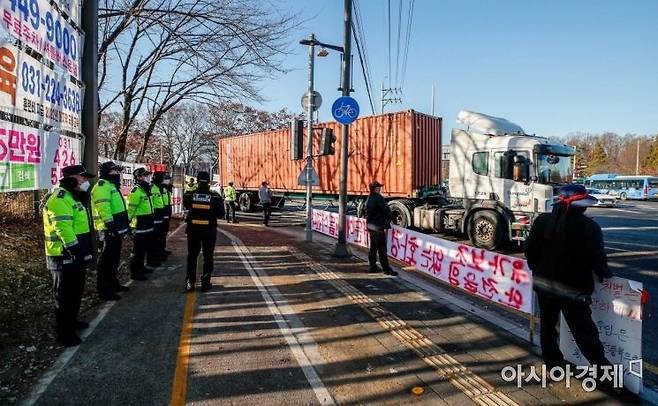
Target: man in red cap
x,y
565,251
379,217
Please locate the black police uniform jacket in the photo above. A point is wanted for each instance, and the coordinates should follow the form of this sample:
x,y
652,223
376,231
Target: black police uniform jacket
x,y
204,208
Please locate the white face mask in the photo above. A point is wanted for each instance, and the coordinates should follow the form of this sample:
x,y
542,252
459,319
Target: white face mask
x,y
84,186
166,182
147,179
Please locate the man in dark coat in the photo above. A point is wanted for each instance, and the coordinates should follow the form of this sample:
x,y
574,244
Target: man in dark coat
x,y
565,251
378,216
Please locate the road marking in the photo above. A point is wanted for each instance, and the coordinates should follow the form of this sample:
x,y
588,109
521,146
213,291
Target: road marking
x,y
627,211
632,254
472,385
277,308
646,228
64,358
179,387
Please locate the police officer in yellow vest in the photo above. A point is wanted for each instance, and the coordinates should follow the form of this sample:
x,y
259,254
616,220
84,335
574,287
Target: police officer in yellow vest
x,y
230,197
68,249
204,208
167,198
140,215
163,228
111,223
155,255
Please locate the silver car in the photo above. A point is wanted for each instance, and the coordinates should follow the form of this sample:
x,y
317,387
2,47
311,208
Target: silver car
x,y
605,200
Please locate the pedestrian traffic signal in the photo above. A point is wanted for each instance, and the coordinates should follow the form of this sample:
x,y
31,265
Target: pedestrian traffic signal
x,y
327,142
296,140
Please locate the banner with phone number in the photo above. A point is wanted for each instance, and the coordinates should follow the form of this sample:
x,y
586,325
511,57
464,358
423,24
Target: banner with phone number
x,y
39,94
32,159
43,28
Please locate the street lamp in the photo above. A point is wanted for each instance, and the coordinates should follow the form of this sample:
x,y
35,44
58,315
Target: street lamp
x,y
311,42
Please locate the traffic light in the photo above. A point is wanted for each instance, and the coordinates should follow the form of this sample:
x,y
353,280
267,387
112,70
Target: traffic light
x,y
296,139
327,142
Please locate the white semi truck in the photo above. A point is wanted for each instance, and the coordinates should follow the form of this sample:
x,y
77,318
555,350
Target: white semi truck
x,y
500,180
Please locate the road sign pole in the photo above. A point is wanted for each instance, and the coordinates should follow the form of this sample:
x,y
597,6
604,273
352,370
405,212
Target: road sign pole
x,y
309,142
341,249
90,79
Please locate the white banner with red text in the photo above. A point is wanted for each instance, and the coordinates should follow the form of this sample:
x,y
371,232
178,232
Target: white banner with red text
x,y
32,159
617,312
491,276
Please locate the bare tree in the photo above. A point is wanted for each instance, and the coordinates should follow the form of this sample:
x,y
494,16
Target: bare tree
x,y
157,54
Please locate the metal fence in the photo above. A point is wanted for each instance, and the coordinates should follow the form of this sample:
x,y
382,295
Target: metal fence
x,y
21,205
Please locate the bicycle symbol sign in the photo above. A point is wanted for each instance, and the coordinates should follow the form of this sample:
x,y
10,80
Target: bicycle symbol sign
x,y
345,110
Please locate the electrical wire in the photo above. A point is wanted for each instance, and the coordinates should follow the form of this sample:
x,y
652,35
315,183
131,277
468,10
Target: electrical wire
x,y
410,18
359,39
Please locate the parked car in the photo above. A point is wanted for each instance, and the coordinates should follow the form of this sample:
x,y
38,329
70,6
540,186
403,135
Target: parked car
x,y
605,200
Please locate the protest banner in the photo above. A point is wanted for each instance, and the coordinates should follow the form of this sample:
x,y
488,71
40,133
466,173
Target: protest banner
x,y
617,312
37,92
42,27
32,159
489,275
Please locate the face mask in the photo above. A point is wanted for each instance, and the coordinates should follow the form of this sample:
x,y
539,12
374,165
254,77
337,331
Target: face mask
x,y
166,182
114,178
147,179
84,186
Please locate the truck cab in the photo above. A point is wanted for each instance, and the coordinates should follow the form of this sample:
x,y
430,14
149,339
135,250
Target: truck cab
x,y
503,177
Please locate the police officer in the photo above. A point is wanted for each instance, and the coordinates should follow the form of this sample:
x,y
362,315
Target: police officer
x,y
230,198
204,208
111,223
155,254
565,250
140,214
168,210
68,249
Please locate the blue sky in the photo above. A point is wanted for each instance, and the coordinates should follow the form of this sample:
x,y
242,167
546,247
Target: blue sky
x,y
553,67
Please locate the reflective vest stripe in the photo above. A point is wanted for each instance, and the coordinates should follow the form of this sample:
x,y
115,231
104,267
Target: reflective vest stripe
x,y
52,238
201,222
71,244
101,200
61,218
201,206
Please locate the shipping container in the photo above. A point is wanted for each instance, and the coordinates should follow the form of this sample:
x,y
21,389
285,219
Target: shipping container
x,y
401,150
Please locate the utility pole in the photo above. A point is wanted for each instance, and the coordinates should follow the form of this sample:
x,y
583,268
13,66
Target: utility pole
x,y
90,79
342,250
637,158
309,140
433,104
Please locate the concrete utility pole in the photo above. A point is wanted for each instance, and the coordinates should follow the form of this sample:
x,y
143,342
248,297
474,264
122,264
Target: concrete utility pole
x,y
90,78
342,250
309,140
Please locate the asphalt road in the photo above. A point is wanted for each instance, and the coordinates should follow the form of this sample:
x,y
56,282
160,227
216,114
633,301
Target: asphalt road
x,y
631,239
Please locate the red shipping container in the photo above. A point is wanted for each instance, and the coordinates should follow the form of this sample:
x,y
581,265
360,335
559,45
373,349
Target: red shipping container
x,y
401,150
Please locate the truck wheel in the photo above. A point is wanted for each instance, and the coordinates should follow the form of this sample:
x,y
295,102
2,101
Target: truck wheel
x,y
486,230
245,203
623,196
401,212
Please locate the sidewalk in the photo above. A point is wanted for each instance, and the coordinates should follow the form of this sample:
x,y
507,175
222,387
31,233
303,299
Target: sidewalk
x,y
289,324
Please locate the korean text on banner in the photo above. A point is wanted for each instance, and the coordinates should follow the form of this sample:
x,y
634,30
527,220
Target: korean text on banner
x,y
32,159
37,92
127,180
495,277
617,312
39,25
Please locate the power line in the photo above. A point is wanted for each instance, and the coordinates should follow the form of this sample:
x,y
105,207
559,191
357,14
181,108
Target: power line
x,y
410,19
389,43
397,47
359,39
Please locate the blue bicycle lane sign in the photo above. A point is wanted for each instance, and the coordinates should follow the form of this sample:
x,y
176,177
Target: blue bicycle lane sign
x,y
345,110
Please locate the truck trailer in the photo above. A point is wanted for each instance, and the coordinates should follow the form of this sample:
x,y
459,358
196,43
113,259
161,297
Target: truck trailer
x,y
500,180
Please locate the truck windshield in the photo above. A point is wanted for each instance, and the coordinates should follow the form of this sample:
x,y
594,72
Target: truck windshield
x,y
554,169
